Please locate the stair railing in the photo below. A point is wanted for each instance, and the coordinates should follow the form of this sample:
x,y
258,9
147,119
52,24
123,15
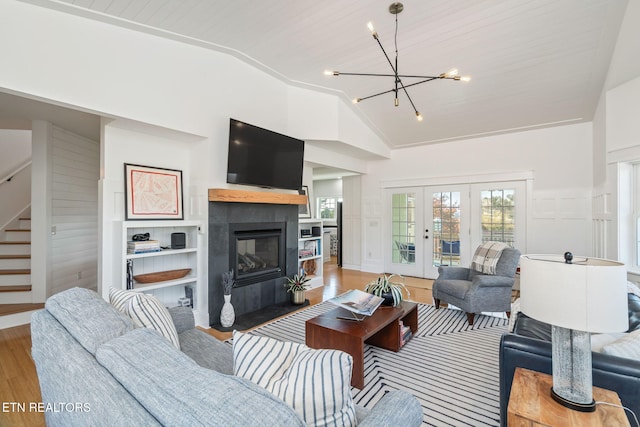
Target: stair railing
x,y
10,176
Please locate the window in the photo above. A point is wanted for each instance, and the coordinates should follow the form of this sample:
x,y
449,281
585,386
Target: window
x,y
403,206
446,228
498,215
327,207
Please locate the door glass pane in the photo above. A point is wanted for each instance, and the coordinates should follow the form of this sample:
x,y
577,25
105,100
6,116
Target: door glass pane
x,y
403,211
498,215
446,228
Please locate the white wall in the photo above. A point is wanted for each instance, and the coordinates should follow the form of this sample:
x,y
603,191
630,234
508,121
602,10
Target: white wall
x,y
559,159
75,168
616,132
15,150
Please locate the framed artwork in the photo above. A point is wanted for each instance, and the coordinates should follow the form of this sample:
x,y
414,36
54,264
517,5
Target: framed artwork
x,y
152,193
304,211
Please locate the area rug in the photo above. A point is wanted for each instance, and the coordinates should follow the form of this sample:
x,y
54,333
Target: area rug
x,y
451,367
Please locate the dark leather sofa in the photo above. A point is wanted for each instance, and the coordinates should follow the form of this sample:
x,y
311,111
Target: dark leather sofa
x,y
529,346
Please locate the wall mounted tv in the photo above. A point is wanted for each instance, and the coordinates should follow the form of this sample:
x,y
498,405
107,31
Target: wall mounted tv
x,y
263,158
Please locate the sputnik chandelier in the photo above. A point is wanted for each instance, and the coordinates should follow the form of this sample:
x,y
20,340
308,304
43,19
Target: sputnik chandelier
x,y
395,9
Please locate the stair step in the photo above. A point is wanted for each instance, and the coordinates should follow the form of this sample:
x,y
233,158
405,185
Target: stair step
x,y
15,288
15,248
15,271
6,309
13,262
17,235
15,277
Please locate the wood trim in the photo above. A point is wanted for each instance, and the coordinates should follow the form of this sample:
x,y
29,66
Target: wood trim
x,y
243,196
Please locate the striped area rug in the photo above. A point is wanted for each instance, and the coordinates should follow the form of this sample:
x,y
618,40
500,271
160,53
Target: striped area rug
x,y
451,367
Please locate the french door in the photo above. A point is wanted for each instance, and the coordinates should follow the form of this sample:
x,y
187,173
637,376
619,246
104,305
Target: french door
x,y
431,226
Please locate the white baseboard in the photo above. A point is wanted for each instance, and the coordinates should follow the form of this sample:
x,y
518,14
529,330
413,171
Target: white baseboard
x,y
17,319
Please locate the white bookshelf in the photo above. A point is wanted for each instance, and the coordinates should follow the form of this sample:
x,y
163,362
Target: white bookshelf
x,y
168,291
314,245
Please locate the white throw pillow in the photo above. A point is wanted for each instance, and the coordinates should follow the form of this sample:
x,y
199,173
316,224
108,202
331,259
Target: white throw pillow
x,y
627,347
146,312
315,383
600,340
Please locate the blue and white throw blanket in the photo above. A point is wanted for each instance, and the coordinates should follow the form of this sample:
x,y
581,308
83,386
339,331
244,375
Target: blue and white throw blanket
x,y
486,257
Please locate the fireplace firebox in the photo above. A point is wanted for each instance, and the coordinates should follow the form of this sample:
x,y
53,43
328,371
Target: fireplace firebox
x,y
257,251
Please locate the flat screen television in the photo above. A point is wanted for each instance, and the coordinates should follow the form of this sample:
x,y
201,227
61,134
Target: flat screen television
x,y
263,158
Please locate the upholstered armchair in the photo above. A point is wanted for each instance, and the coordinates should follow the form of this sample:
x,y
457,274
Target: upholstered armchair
x,y
475,292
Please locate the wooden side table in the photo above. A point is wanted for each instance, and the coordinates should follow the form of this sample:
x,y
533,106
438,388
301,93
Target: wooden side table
x,y
531,404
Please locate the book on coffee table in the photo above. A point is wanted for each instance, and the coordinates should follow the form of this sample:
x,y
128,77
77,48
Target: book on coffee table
x,y
358,302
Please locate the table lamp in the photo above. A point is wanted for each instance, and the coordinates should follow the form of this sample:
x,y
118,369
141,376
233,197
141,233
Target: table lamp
x,y
577,297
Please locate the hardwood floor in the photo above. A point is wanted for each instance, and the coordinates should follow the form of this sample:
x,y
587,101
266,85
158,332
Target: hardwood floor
x,y
18,378
19,381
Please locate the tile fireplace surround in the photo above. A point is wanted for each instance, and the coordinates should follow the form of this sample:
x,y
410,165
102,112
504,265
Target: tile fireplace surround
x,y
229,209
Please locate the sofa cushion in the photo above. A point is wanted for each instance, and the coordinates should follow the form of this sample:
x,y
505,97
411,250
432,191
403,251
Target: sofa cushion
x,y
207,351
178,392
316,383
87,317
146,312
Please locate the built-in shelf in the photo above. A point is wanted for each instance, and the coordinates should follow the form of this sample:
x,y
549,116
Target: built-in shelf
x,y
168,291
243,196
314,244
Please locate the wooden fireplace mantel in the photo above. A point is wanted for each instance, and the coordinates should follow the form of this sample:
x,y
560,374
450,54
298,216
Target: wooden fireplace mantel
x,y
242,196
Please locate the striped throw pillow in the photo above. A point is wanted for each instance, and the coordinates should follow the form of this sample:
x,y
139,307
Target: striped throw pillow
x,y
315,383
120,298
146,312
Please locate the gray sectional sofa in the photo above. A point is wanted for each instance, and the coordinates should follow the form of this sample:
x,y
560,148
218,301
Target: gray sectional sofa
x,y
95,368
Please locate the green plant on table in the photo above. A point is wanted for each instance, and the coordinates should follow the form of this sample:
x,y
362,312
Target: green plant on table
x,y
297,283
386,286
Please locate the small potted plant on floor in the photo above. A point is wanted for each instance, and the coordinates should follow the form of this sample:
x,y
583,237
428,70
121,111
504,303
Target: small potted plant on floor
x,y
297,285
386,287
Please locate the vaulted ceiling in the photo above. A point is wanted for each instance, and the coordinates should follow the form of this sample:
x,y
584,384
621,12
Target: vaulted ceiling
x,y
532,63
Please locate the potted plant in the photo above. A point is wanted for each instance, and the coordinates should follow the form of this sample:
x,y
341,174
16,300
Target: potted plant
x,y
386,287
297,285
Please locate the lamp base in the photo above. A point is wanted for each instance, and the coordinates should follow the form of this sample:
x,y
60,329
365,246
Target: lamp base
x,y
576,406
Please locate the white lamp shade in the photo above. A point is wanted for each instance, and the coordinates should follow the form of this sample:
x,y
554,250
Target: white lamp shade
x,y
588,295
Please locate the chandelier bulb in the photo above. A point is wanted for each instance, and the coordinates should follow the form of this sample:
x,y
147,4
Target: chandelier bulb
x,y
418,116
465,79
356,100
373,30
396,102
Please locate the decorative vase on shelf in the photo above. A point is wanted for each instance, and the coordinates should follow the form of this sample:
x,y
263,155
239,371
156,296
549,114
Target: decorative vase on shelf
x,y
227,315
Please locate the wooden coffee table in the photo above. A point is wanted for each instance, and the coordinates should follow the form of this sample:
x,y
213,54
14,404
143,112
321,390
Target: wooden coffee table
x,y
329,330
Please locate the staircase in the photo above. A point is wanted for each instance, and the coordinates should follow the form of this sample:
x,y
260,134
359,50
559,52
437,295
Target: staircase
x,y
15,275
